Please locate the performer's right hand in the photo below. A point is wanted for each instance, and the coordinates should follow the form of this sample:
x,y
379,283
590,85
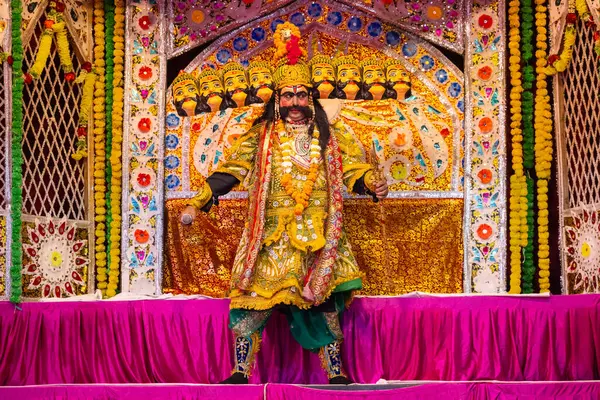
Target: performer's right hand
x,y
188,215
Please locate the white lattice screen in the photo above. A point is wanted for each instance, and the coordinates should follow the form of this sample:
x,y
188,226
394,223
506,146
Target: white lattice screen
x,y
581,116
54,185
578,142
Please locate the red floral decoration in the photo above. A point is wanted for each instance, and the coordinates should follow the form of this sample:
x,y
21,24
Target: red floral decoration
x,y
553,58
485,73
10,60
445,132
27,78
484,231
82,131
571,18
141,236
486,125
143,180
485,176
145,125
144,22
70,76
293,50
60,7
48,24
145,73
196,126
486,21
87,66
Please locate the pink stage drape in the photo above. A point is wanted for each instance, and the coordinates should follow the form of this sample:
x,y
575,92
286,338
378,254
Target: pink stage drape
x,y
432,338
435,391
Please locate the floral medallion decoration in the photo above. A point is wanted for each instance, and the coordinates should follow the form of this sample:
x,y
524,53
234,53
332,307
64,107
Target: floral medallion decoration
x,y
485,259
55,259
142,143
582,242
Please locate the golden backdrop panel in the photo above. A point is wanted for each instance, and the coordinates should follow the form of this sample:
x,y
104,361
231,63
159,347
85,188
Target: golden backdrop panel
x,y
402,245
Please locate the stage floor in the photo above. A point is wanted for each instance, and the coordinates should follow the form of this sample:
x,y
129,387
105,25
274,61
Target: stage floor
x,y
413,391
439,338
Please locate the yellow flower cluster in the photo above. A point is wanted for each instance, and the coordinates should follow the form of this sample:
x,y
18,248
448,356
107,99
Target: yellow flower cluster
x,y
99,144
518,188
543,143
117,141
43,53
62,44
570,35
280,38
54,26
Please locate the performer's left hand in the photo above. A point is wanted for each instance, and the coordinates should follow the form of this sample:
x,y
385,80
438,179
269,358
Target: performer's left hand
x,y
381,189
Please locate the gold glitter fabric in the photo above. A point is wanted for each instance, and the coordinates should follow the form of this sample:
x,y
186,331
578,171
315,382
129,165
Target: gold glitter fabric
x,y
401,245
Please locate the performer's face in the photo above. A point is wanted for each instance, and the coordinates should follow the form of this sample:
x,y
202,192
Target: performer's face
x,y
348,80
236,86
323,79
211,91
293,103
374,81
398,79
186,97
261,82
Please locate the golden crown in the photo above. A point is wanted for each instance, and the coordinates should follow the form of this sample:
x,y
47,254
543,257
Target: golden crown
x,y
185,76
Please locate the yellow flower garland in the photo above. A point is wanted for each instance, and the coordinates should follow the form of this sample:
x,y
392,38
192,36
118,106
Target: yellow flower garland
x,y
54,26
84,115
62,44
117,140
43,53
570,35
100,145
517,180
543,144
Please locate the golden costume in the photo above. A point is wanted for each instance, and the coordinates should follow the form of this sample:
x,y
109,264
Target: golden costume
x,y
293,253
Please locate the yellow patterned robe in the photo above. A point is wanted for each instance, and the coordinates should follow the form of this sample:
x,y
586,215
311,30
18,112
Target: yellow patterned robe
x,y
287,247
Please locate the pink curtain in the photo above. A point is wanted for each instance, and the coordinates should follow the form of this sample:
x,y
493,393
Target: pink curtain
x,y
435,391
434,338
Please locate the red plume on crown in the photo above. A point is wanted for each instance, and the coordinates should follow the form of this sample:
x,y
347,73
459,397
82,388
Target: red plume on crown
x,y
294,52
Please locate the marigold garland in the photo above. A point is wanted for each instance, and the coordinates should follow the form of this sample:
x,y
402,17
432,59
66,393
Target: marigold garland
x,y
99,143
54,26
117,140
543,143
559,63
16,202
516,221
109,17
87,98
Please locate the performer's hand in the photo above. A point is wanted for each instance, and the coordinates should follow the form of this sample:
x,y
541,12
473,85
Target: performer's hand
x,y
188,215
307,294
381,189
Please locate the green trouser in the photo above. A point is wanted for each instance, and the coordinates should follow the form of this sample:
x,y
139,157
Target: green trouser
x,y
316,329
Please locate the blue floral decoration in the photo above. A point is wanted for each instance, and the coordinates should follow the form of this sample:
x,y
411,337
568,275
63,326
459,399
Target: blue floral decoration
x,y
172,182
173,120
354,24
297,19
240,44
427,62
461,106
258,34
392,38
374,29
315,10
223,56
334,18
409,49
454,89
275,24
441,76
171,141
171,162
